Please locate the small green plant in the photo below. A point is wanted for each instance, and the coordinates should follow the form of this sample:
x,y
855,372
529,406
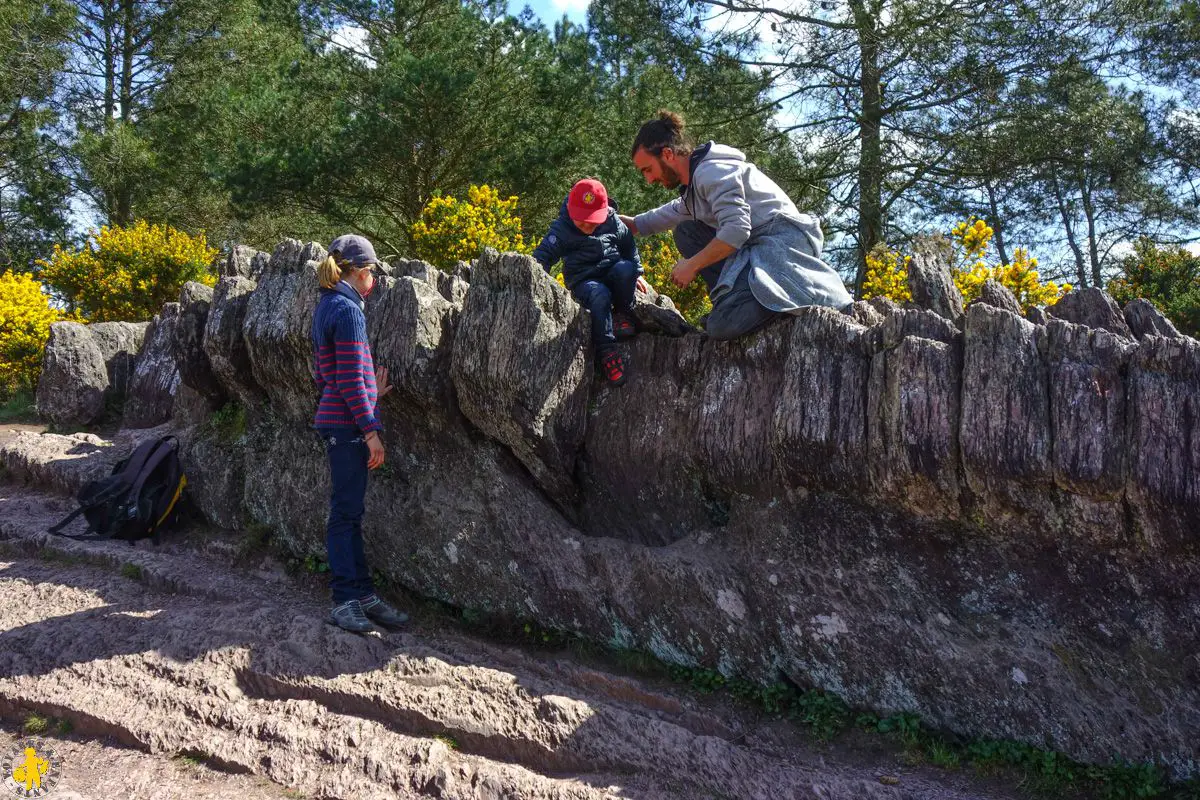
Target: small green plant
x,y
942,755
1126,781
131,571
315,564
380,581
35,725
229,422
19,407
63,727
825,713
547,637
449,741
192,758
907,727
705,681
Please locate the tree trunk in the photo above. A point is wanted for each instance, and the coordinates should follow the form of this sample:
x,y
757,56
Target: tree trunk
x,y
110,64
870,159
1064,212
1089,211
996,222
123,212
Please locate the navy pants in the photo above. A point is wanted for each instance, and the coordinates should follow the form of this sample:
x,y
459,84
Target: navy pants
x,y
613,291
349,577
738,312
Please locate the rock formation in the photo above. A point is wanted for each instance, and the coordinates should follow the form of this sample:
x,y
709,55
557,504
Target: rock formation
x,y
970,516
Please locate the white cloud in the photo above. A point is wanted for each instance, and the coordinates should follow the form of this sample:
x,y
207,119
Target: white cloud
x,y
353,40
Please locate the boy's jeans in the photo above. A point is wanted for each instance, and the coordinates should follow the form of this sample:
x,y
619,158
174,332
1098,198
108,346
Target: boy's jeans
x,y
349,578
600,297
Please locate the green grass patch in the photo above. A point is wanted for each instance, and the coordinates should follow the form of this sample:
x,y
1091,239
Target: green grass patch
x,y
35,725
18,407
131,571
229,423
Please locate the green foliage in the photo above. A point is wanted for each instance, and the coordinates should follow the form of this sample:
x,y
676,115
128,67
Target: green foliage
x,y
315,564
19,407
131,571
229,422
33,177
1169,277
35,725
128,273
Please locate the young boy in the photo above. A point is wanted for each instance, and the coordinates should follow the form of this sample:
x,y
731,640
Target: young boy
x,y
600,267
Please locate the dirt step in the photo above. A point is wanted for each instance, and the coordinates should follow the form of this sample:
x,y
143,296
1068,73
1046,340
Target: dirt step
x,y
172,650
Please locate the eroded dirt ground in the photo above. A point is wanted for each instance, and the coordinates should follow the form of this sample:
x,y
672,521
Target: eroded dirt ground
x,y
194,670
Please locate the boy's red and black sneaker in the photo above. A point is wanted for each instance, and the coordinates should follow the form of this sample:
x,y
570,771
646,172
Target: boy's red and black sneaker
x,y
613,367
623,326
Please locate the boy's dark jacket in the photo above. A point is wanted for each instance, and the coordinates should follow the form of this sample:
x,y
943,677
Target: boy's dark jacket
x,y
584,256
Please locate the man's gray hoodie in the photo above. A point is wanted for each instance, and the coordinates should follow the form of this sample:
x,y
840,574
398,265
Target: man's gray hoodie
x,y
751,213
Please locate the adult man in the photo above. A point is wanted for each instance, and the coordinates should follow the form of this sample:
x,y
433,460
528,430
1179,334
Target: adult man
x,y
736,228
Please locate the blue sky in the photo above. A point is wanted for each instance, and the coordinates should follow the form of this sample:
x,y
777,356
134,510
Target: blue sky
x,y
550,11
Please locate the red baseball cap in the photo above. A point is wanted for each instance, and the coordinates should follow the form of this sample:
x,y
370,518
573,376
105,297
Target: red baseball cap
x,y
588,201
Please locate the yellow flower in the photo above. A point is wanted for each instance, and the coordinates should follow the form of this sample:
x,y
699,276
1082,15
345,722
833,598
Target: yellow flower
x,y
128,273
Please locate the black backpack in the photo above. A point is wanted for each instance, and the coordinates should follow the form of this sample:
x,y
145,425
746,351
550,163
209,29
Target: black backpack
x,y
137,499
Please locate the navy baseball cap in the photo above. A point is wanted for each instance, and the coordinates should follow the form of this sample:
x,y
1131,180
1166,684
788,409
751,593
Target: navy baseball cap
x,y
353,250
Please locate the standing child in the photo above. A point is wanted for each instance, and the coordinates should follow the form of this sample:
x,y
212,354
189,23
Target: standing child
x,y
348,422
600,267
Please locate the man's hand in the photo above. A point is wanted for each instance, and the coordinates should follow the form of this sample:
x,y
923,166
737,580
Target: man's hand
x,y
683,273
374,450
629,223
381,383
642,286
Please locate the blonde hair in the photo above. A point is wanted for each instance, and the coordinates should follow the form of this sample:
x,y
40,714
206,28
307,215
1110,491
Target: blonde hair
x,y
330,271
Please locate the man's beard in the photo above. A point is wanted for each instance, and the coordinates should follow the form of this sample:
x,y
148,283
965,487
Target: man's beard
x,y
670,178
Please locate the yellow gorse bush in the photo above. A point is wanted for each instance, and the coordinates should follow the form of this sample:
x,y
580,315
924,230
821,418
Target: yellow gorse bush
x,y
127,274
887,276
452,230
25,319
659,256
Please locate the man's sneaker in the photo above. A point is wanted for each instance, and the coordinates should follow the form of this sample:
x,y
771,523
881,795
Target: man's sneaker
x,y
623,326
349,616
613,367
383,613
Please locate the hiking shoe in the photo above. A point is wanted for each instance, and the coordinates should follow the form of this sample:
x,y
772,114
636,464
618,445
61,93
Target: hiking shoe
x,y
382,612
623,326
613,367
349,616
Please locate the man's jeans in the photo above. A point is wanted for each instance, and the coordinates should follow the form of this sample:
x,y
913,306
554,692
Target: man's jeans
x,y
349,577
600,297
738,312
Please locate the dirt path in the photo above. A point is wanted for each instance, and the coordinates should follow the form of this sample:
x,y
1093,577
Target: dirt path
x,y
9,430
152,652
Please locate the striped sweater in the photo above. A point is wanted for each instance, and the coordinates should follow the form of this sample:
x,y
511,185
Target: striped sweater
x,y
342,365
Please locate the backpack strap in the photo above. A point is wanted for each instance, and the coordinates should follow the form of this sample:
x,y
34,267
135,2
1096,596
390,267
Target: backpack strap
x,y
164,447
67,520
